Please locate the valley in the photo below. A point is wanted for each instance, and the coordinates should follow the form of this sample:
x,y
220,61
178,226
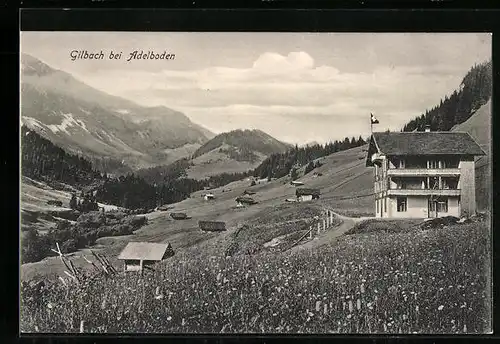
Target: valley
x,y
99,172
344,174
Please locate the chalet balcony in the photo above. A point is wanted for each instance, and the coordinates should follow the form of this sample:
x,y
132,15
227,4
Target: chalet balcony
x,y
423,172
423,192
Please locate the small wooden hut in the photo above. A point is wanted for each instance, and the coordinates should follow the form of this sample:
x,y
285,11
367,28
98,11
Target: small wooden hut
x,y
245,200
178,216
249,192
139,255
212,226
208,197
305,194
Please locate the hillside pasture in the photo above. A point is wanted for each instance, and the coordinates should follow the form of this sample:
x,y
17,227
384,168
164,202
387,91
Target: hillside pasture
x,y
336,194
214,163
415,282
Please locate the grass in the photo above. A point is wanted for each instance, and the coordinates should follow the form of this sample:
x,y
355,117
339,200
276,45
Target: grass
x,y
399,282
384,226
336,169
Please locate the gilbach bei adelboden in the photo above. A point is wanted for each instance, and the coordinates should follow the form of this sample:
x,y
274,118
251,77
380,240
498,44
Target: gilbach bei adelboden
x,y
134,55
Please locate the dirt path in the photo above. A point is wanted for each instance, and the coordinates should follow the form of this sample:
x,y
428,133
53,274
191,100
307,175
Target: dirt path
x,y
331,234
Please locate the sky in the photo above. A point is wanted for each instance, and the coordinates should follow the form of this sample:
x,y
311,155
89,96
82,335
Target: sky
x,y
298,87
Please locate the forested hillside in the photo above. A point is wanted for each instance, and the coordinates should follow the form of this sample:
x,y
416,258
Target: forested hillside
x,y
42,160
281,164
475,90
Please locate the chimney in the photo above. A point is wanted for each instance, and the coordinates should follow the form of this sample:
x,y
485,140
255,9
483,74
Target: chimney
x,y
427,128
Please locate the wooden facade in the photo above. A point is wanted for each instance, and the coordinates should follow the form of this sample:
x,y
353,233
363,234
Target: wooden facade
x,y
178,216
437,181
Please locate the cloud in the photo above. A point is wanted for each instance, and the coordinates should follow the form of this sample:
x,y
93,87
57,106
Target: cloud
x,y
270,63
292,80
281,92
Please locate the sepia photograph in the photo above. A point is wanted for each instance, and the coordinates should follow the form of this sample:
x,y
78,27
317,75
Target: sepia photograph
x,y
255,183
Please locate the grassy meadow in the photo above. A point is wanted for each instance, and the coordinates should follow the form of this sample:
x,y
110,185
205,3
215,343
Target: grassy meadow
x,y
375,281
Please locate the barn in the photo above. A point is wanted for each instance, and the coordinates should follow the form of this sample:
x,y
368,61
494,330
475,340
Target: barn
x,y
208,197
245,200
178,216
139,255
212,226
304,194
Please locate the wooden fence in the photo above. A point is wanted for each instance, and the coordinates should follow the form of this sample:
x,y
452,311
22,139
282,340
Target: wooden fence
x,y
321,224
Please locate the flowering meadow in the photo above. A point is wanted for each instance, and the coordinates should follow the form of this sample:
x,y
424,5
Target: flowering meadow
x,y
419,281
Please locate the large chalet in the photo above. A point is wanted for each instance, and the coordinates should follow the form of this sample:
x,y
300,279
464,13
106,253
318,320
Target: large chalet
x,y
423,174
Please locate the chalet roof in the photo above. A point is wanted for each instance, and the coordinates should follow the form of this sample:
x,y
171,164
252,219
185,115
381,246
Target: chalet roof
x,y
307,192
424,143
245,199
143,251
177,216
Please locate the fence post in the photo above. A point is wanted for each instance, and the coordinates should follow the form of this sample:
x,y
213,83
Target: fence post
x,y
82,324
310,232
324,225
319,228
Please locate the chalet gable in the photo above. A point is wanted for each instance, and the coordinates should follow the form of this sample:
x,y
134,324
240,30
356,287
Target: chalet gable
x,y
422,143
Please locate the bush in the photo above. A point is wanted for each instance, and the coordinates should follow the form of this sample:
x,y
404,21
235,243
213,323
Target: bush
x,y
88,228
63,225
68,246
93,219
116,214
34,247
310,167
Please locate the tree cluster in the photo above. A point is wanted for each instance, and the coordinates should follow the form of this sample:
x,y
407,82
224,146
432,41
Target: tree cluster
x,y
71,237
282,164
42,160
86,203
475,91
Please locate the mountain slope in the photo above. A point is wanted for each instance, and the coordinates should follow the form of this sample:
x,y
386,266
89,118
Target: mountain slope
x,y
90,122
244,141
475,91
479,127
233,152
346,186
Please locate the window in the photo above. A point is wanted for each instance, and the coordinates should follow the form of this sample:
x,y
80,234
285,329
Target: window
x,y
450,183
432,205
401,203
377,205
385,205
401,163
432,164
434,183
442,205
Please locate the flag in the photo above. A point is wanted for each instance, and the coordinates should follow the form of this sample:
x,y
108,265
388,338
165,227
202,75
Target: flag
x,y
373,119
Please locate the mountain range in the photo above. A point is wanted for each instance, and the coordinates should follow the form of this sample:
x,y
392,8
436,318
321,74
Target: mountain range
x,y
97,125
